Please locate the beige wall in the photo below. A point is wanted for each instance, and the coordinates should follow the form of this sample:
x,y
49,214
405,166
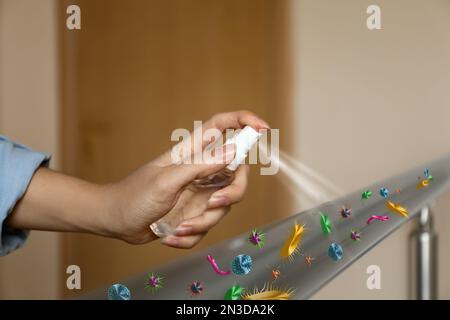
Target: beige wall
x,y
370,104
28,113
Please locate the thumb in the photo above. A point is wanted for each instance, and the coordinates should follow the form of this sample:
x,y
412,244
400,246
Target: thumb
x,y
180,175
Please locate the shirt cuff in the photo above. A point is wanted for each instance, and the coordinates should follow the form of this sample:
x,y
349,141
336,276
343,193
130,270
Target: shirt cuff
x,y
18,164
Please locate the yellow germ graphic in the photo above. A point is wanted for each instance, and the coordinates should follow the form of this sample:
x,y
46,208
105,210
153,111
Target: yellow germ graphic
x,y
397,208
268,292
292,244
422,184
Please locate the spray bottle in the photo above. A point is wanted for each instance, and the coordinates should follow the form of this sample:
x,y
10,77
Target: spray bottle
x,y
204,187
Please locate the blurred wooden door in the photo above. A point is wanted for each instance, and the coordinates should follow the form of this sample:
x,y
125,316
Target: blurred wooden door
x,y
139,69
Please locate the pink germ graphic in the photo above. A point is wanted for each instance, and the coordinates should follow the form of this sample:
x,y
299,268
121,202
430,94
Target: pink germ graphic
x,y
216,267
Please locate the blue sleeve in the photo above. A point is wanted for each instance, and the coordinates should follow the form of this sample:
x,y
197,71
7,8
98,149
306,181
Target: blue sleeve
x,y
17,166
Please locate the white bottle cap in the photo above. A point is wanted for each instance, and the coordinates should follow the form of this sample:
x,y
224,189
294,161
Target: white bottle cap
x,y
244,141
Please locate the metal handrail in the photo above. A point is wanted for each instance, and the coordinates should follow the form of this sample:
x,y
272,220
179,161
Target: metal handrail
x,y
303,278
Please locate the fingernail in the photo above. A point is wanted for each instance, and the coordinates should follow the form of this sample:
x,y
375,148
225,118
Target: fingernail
x,y
170,241
265,125
218,201
183,230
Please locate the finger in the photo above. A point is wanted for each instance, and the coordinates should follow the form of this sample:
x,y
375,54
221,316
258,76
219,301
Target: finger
x,y
202,223
234,192
236,120
186,242
175,177
220,121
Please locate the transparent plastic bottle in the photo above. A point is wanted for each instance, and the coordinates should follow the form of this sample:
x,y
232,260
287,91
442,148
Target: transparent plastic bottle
x,y
203,188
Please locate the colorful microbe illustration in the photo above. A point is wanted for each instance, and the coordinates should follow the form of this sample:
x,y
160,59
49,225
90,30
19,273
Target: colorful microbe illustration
x,y
425,182
292,244
153,282
309,260
427,174
335,251
345,212
422,184
234,293
384,192
366,195
257,238
395,207
325,223
119,292
216,267
242,264
379,218
268,292
196,288
355,235
276,273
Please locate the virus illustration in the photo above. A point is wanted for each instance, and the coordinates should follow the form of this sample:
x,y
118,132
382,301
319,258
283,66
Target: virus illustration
x,y
309,260
234,293
395,207
153,282
216,267
242,264
427,174
292,244
355,235
196,288
379,218
345,212
119,292
257,238
384,193
335,251
276,273
325,223
422,184
366,195
268,292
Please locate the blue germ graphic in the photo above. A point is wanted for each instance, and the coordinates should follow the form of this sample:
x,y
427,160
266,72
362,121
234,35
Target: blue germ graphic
x,y
384,192
242,264
335,252
196,288
119,292
427,174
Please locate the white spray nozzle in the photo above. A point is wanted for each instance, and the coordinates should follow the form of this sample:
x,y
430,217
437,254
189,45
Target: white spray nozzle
x,y
244,141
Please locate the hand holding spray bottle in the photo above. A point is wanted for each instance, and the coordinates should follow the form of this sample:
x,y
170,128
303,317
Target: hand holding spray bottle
x,y
244,141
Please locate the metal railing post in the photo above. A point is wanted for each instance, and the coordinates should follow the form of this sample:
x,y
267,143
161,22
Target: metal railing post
x,y
426,257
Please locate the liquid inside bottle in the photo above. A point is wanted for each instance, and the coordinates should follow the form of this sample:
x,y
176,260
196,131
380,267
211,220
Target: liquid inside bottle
x,y
193,200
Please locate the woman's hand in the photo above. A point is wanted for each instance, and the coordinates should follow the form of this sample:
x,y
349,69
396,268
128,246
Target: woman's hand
x,y
160,186
127,208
